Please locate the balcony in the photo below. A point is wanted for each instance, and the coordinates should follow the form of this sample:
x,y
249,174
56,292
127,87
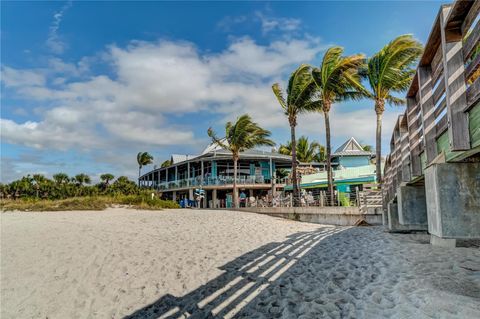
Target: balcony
x,y
216,181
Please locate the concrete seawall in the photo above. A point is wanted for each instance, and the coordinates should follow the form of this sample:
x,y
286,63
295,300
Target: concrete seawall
x,y
341,216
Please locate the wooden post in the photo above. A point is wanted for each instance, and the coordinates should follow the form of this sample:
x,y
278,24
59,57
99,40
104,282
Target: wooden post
x,y
426,103
455,86
357,195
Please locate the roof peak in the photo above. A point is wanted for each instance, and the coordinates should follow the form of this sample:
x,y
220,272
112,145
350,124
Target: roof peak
x,y
350,145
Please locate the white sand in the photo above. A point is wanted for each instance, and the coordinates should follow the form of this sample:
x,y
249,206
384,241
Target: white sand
x,y
174,264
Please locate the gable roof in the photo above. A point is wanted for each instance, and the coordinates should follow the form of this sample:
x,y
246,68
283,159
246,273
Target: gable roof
x,y
351,148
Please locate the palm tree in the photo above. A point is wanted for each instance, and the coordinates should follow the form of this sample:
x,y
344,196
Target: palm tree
x,y
61,178
143,159
390,71
106,178
82,179
166,163
242,135
300,99
38,180
337,79
306,151
367,147
321,155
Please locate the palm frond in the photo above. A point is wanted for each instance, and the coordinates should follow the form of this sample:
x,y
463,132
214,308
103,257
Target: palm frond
x,y
338,77
279,95
391,69
396,101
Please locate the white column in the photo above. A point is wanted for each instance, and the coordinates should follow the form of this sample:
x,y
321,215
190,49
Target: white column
x,y
214,198
174,195
190,194
188,173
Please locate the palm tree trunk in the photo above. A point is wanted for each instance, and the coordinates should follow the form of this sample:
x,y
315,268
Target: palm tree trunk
x,y
294,164
235,193
378,148
329,156
139,172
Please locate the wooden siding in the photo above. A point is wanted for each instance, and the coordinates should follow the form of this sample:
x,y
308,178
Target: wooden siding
x,y
442,118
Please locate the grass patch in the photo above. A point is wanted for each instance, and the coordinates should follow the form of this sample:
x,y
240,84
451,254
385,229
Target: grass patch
x,y
87,203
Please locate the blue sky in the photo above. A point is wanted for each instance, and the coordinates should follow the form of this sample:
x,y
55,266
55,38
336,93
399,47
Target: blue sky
x,y
87,85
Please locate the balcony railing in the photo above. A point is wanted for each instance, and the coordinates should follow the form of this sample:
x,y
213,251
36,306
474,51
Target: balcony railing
x,y
217,181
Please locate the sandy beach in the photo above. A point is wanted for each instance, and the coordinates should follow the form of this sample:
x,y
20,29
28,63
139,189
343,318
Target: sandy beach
x,y
122,263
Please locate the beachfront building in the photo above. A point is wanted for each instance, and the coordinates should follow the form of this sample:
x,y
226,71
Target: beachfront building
x,y
212,171
352,167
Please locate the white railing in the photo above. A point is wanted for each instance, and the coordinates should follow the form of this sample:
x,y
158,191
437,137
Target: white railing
x,y
212,181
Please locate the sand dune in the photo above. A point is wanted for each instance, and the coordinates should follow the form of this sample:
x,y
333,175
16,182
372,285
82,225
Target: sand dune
x,y
199,264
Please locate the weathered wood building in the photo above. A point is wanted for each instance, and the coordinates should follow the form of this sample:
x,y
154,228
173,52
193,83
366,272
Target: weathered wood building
x,y
432,175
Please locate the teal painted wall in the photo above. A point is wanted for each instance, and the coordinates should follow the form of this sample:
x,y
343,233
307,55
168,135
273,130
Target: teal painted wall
x,y
252,169
214,169
265,169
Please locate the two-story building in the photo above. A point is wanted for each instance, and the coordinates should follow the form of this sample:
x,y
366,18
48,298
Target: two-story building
x,y
212,171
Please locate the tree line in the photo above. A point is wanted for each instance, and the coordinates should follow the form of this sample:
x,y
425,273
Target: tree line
x,y
62,186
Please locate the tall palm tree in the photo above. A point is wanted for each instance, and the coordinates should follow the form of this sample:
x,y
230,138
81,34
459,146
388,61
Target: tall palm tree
x,y
242,135
337,79
390,71
143,159
300,98
106,178
306,151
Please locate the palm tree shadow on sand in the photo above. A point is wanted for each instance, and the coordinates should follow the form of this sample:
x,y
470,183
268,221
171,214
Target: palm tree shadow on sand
x,y
243,280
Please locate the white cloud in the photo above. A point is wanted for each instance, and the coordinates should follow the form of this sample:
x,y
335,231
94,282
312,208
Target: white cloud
x,y
150,81
270,24
228,22
21,78
55,44
135,106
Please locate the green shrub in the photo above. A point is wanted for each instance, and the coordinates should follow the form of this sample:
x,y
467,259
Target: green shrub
x,y
344,199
